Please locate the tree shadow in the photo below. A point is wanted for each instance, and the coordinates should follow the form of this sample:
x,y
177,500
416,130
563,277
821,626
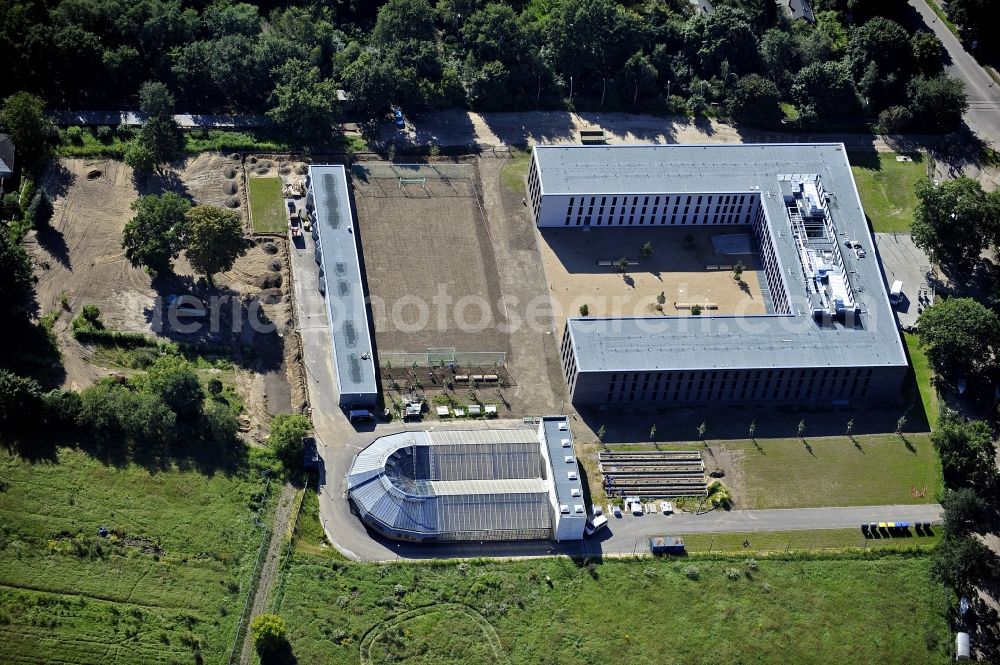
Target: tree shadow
x,y
282,655
58,179
29,350
159,182
52,241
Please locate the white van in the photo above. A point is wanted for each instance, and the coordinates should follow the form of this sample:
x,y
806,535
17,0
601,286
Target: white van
x,y
896,292
596,524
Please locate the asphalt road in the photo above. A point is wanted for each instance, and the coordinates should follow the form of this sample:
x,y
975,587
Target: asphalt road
x,y
983,116
339,442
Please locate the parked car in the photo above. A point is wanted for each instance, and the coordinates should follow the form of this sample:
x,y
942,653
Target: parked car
x,y
596,524
397,118
666,507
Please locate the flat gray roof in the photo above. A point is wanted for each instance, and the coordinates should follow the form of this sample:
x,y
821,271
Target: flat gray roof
x,y
345,298
556,429
733,342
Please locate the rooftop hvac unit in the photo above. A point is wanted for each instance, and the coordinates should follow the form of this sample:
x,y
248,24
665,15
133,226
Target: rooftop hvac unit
x,y
571,475
564,509
569,459
578,509
565,443
576,492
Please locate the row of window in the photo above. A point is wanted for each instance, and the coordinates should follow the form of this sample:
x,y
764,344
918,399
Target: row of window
x,y
719,209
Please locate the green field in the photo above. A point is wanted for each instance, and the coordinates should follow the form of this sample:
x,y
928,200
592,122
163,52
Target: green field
x,y
855,608
923,374
167,584
886,188
831,471
267,206
513,172
770,542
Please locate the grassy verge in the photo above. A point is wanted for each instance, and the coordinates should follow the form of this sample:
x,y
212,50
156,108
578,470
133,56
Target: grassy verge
x,y
923,374
886,188
634,612
168,583
833,471
936,8
514,171
267,205
770,542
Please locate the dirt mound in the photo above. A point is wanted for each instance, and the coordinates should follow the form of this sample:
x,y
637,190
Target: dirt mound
x,y
265,162
231,172
302,169
270,248
229,188
269,280
251,160
284,170
232,202
261,169
235,156
270,296
274,265
94,174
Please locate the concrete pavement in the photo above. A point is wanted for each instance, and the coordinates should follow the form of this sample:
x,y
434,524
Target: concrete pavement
x,y
983,116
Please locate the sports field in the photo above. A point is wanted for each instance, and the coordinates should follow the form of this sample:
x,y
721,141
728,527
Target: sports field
x,y
431,270
166,585
267,205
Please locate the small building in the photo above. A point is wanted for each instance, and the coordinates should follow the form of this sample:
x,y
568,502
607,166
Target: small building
x,y
666,545
798,10
518,483
6,161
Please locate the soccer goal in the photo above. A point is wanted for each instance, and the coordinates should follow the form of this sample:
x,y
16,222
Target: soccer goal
x,y
404,183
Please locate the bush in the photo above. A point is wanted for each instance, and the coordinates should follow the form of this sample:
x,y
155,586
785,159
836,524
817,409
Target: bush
x,y
695,309
269,633
751,565
692,572
219,423
20,399
115,413
10,207
215,387
733,573
894,120
27,192
74,135
105,134
285,439
584,310
174,380
89,320
62,407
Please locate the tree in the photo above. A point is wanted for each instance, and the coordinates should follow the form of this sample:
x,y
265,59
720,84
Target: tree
x,y
155,235
882,42
590,40
39,212
285,438
966,449
494,33
646,250
584,309
963,513
652,433
702,428
304,102
219,422
641,74
140,156
753,428
973,14
954,221
726,35
738,272
174,380
661,298
373,80
801,428
780,57
269,633
115,413
16,276
600,433
20,400
162,137
825,92
926,53
937,103
754,101
215,239
156,100
23,119
622,264
963,563
402,20
900,424
894,120
959,336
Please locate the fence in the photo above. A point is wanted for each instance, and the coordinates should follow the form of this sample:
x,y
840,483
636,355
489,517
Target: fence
x,y
442,357
241,627
389,170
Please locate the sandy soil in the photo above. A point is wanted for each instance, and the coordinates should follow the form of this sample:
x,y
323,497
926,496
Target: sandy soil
x,y
430,266
81,258
572,257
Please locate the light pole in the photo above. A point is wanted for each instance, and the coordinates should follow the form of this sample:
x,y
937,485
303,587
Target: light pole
x,y
571,89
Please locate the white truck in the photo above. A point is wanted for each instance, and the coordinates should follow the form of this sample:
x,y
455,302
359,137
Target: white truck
x,y
896,292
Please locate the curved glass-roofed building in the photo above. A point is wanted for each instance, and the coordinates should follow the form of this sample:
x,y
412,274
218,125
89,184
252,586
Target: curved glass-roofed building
x,y
452,485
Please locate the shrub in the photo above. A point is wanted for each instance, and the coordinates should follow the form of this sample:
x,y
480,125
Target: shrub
x,y
62,407
74,135
584,310
733,573
692,572
27,192
20,399
751,565
695,309
105,134
215,387
285,438
269,633
10,208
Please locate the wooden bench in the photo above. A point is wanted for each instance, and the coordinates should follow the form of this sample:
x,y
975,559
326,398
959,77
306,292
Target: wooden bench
x,y
710,305
461,377
681,305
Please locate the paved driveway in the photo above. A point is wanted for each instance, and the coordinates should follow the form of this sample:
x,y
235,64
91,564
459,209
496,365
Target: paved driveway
x,y
904,261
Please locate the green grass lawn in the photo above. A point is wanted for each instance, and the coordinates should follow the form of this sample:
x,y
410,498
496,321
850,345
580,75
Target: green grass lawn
x,y
267,206
513,172
832,471
850,608
168,584
770,542
923,373
886,188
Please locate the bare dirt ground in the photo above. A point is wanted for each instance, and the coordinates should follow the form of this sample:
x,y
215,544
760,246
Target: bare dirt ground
x,y
575,278
430,265
80,258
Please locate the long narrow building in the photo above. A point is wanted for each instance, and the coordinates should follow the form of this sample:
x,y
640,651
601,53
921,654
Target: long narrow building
x,y
829,333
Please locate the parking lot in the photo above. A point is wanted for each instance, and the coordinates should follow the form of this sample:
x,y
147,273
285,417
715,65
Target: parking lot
x,y
905,262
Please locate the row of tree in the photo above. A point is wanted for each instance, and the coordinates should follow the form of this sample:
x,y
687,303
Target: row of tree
x,y
745,57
